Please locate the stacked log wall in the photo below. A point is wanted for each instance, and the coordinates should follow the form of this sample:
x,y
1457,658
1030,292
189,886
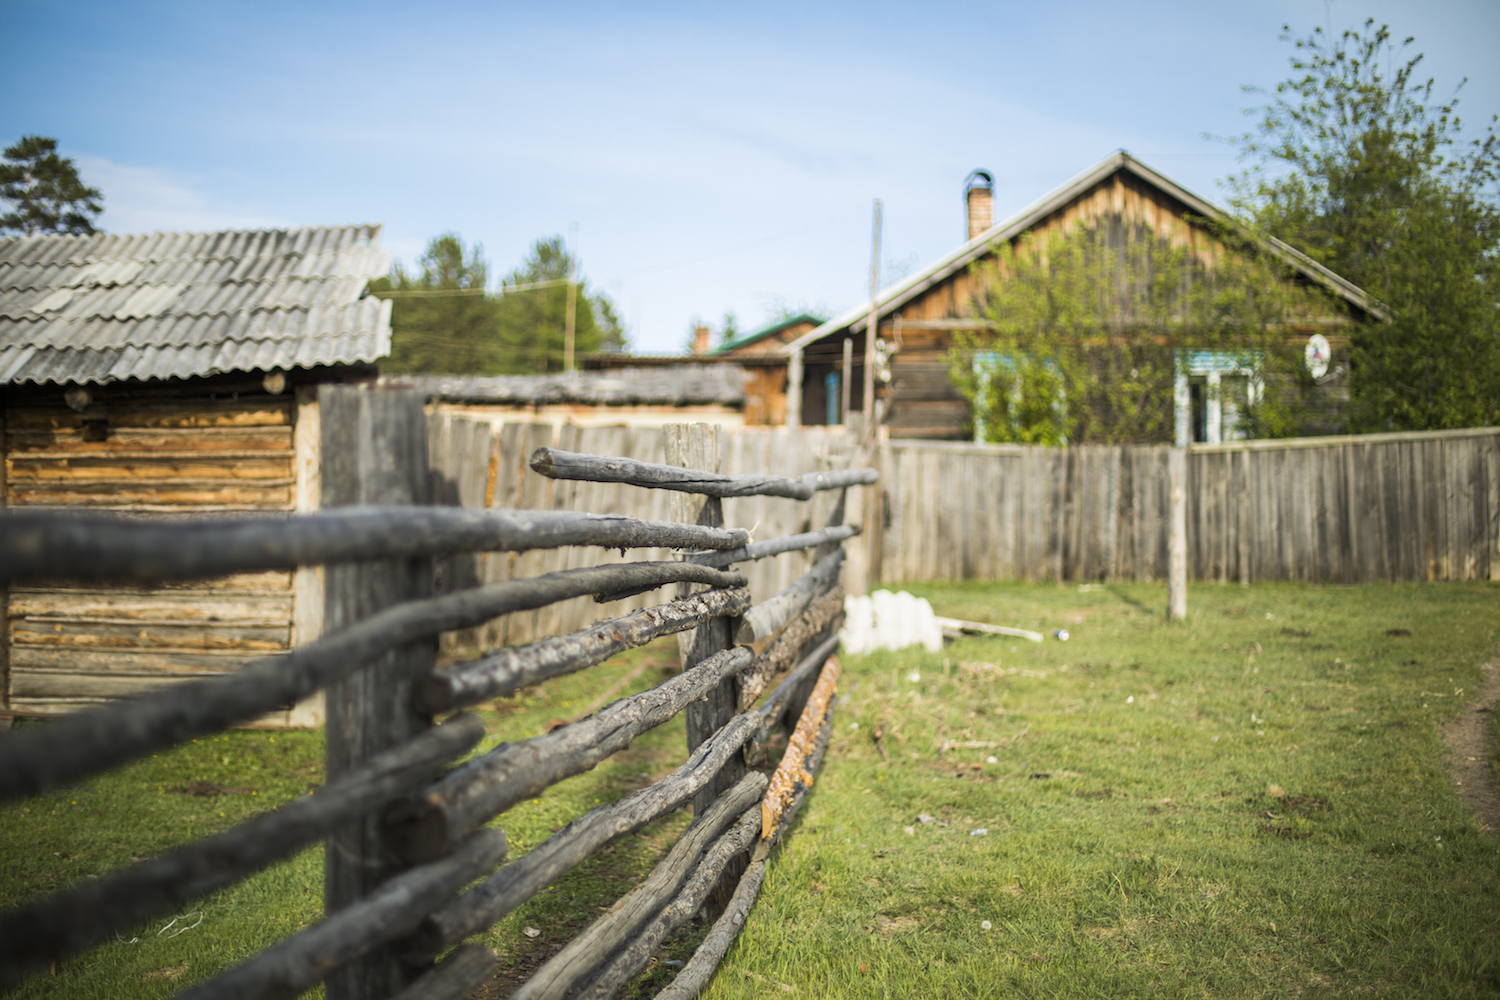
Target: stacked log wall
x,y
163,454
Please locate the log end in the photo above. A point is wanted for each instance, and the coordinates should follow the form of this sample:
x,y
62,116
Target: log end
x,y
541,461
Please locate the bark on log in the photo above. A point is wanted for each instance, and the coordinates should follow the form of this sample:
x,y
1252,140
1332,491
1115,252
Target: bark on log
x,y
557,464
706,959
97,739
456,977
633,957
776,546
778,700
768,616
700,968
486,786
604,936
300,961
506,670
49,545
788,645
521,879
841,478
793,770
72,920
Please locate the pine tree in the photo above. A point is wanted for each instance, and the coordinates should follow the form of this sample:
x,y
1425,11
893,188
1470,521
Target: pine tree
x,y
47,194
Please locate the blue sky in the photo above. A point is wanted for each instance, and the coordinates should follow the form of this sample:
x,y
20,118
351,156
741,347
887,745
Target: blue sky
x,y
713,156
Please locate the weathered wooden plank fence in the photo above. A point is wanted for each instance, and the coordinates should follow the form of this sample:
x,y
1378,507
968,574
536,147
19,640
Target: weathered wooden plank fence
x,y
405,839
1379,507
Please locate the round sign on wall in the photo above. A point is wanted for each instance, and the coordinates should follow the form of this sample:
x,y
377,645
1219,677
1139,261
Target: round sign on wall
x,y
1317,355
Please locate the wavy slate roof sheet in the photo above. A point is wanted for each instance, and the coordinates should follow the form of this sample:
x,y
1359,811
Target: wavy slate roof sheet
x,y
108,307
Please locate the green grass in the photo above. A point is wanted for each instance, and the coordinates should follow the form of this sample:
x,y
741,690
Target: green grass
x,y
1135,844
1132,845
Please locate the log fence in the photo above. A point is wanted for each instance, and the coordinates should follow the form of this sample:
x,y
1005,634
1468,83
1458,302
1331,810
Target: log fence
x,y
412,866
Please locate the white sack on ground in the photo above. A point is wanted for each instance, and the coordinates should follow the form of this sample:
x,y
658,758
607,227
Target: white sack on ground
x,y
889,621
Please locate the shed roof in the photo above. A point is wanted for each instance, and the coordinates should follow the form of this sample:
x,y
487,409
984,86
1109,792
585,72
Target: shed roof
x,y
107,307
679,385
904,291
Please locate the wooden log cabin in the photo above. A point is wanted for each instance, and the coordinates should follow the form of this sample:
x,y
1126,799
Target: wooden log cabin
x,y
166,376
919,315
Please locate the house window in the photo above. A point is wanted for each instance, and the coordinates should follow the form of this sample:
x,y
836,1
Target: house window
x,y
1213,394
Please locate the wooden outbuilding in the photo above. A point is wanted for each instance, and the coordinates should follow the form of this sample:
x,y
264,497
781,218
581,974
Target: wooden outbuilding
x,y
171,375
757,357
918,316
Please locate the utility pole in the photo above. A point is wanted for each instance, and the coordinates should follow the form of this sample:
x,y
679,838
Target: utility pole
x,y
873,327
572,297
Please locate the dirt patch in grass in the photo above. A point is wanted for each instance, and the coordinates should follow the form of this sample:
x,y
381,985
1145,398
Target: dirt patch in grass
x,y
1469,739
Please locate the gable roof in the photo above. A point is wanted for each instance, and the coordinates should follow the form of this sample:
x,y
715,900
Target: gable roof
x,y
766,331
904,291
103,308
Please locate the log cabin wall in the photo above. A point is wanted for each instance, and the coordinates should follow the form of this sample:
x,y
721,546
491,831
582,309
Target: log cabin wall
x,y
207,446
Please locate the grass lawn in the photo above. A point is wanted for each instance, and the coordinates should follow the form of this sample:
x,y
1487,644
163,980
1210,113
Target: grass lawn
x,y
1250,804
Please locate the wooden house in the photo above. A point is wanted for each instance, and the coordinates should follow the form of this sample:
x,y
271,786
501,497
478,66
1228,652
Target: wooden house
x,y
918,316
171,375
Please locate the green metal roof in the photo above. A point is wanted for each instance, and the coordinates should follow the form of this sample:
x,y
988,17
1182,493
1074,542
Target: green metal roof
x,y
767,331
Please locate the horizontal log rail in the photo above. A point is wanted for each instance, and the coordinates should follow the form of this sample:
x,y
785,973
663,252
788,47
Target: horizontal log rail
x,y
486,786
455,977
518,881
97,739
633,957
511,669
305,959
777,701
776,546
765,618
77,918
788,645
53,546
557,464
443,871
696,973
604,936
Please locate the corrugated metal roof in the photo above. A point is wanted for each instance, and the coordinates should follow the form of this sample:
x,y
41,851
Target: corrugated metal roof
x,y
107,307
680,385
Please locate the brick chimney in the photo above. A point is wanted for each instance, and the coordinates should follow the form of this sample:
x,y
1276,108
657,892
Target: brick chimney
x,y
979,202
700,339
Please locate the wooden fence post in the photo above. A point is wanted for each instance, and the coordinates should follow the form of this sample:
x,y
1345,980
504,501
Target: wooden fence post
x,y
1177,537
696,446
374,451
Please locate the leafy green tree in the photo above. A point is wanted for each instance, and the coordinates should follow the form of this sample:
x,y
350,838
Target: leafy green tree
x,y
533,311
1361,169
1083,330
442,319
47,194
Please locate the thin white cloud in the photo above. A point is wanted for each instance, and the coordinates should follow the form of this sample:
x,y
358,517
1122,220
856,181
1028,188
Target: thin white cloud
x,y
147,199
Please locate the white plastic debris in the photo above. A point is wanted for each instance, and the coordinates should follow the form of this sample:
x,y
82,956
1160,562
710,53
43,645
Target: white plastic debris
x,y
889,621
924,819
1062,634
1130,700
914,677
531,932
979,832
993,760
